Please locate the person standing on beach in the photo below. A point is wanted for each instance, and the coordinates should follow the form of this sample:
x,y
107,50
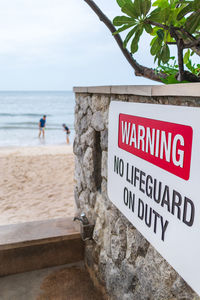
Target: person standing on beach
x,y
42,124
66,129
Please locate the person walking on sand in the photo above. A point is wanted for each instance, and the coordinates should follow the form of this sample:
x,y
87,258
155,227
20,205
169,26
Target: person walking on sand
x,y
66,129
42,124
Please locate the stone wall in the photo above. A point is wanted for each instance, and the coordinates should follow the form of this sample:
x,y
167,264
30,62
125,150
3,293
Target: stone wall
x,y
118,257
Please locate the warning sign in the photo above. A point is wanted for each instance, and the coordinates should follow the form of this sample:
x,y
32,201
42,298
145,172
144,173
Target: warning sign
x,y
153,178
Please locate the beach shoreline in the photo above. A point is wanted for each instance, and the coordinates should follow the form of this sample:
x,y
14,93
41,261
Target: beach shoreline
x,y
21,150
36,183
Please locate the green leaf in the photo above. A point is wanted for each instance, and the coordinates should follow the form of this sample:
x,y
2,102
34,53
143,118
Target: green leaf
x,y
125,27
153,40
137,7
193,22
196,5
172,80
161,3
135,41
184,11
145,6
148,28
156,15
129,35
129,9
186,57
155,47
165,54
166,14
160,34
121,2
121,20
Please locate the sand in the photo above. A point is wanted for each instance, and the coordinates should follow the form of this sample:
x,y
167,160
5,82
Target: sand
x,y
36,183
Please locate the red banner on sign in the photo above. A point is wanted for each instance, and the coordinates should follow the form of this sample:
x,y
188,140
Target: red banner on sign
x,y
164,144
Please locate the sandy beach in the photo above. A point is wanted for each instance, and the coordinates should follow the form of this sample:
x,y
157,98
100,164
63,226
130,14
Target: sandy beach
x,y
36,183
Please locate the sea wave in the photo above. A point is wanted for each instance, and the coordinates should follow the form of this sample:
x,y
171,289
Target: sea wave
x,y
28,128
21,115
13,124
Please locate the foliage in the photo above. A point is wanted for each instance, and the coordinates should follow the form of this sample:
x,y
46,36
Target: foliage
x,y
171,70
194,68
168,22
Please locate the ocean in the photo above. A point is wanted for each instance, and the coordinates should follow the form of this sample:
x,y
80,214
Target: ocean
x,y
20,113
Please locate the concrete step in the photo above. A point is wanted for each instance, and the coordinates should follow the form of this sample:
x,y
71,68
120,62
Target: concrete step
x,y
40,244
67,282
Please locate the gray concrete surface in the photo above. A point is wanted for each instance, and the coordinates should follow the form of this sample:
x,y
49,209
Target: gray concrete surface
x,y
25,286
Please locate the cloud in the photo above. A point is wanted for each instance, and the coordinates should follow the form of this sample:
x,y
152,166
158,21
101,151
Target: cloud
x,y
31,27
55,44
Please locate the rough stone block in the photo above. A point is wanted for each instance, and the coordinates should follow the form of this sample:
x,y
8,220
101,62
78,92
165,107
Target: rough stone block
x,y
120,256
87,139
84,103
82,125
99,102
104,164
88,160
104,140
84,197
97,121
92,199
98,233
76,197
118,243
89,118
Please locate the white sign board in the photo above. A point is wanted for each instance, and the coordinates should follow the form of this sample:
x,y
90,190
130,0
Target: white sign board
x,y
154,178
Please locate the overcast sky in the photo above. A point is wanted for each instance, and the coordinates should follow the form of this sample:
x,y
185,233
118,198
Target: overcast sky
x,y
58,44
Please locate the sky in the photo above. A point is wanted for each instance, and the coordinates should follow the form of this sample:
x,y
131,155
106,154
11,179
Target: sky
x,y
59,44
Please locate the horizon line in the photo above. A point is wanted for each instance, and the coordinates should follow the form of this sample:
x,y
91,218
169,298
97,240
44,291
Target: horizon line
x,y
36,90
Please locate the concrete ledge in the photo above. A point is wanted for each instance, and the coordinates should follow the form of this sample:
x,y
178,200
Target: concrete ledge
x,y
182,89
143,90
39,232
99,89
35,245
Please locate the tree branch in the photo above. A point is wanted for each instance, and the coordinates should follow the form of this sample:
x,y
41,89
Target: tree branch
x,y
142,70
157,24
139,69
194,44
171,43
189,35
180,46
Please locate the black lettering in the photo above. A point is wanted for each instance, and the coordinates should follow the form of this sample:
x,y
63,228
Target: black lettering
x,y
135,176
148,187
157,199
176,202
121,167
132,170
142,174
164,227
190,221
155,220
118,166
165,198
127,171
131,201
140,209
148,218
125,196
